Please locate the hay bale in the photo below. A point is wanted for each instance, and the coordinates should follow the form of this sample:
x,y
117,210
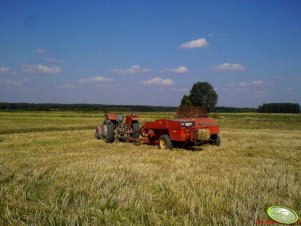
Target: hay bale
x,y
203,134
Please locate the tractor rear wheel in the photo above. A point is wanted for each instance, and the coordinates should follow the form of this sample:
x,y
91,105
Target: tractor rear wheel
x,y
136,130
165,142
109,135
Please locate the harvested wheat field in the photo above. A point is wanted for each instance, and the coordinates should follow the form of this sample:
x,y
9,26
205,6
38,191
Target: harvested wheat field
x,y
54,172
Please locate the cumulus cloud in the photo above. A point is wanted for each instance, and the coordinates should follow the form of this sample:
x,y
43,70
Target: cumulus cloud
x,y
4,70
45,56
97,79
159,81
179,70
40,69
198,43
228,67
40,50
255,83
135,69
243,84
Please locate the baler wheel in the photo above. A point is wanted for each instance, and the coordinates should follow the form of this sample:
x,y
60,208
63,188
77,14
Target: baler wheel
x,y
217,140
136,130
165,142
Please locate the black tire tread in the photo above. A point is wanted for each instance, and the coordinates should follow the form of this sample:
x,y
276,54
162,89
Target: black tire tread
x,y
110,133
168,141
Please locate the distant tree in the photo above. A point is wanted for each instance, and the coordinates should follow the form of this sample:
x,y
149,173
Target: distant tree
x,y
201,94
186,101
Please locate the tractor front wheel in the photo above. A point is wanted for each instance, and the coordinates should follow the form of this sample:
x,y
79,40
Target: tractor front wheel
x,y
109,132
165,142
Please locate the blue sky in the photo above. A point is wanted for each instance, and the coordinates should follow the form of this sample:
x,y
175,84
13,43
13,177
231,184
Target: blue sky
x,y
149,52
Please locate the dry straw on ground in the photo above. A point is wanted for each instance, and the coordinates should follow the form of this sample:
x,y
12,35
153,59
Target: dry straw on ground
x,y
67,177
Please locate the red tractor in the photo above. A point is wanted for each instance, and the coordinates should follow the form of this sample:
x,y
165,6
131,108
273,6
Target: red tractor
x,y
191,126
115,129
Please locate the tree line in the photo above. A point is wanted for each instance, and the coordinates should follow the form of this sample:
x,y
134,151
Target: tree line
x,y
4,106
82,107
279,108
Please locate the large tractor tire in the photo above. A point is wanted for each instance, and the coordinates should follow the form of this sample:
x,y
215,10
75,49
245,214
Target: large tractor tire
x,y
165,142
136,130
108,131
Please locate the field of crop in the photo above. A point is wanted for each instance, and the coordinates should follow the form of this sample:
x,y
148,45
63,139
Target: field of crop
x,y
54,172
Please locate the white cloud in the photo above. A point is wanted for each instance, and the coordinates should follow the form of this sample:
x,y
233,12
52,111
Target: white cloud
x,y
228,67
159,81
179,70
198,43
40,69
43,54
98,79
255,83
255,86
135,69
243,84
52,60
4,70
40,50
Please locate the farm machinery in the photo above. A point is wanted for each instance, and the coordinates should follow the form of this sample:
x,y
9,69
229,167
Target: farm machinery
x,y
114,128
190,127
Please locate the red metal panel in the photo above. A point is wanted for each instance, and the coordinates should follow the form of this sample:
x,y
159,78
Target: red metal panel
x,y
131,118
177,134
111,116
163,124
182,133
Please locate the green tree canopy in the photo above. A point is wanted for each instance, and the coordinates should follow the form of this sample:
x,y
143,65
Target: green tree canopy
x,y
279,108
186,101
201,94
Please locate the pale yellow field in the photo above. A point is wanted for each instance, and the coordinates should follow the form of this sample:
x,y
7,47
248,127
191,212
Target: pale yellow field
x,y
63,175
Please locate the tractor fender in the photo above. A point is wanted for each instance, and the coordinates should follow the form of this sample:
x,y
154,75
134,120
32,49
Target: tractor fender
x,y
111,117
